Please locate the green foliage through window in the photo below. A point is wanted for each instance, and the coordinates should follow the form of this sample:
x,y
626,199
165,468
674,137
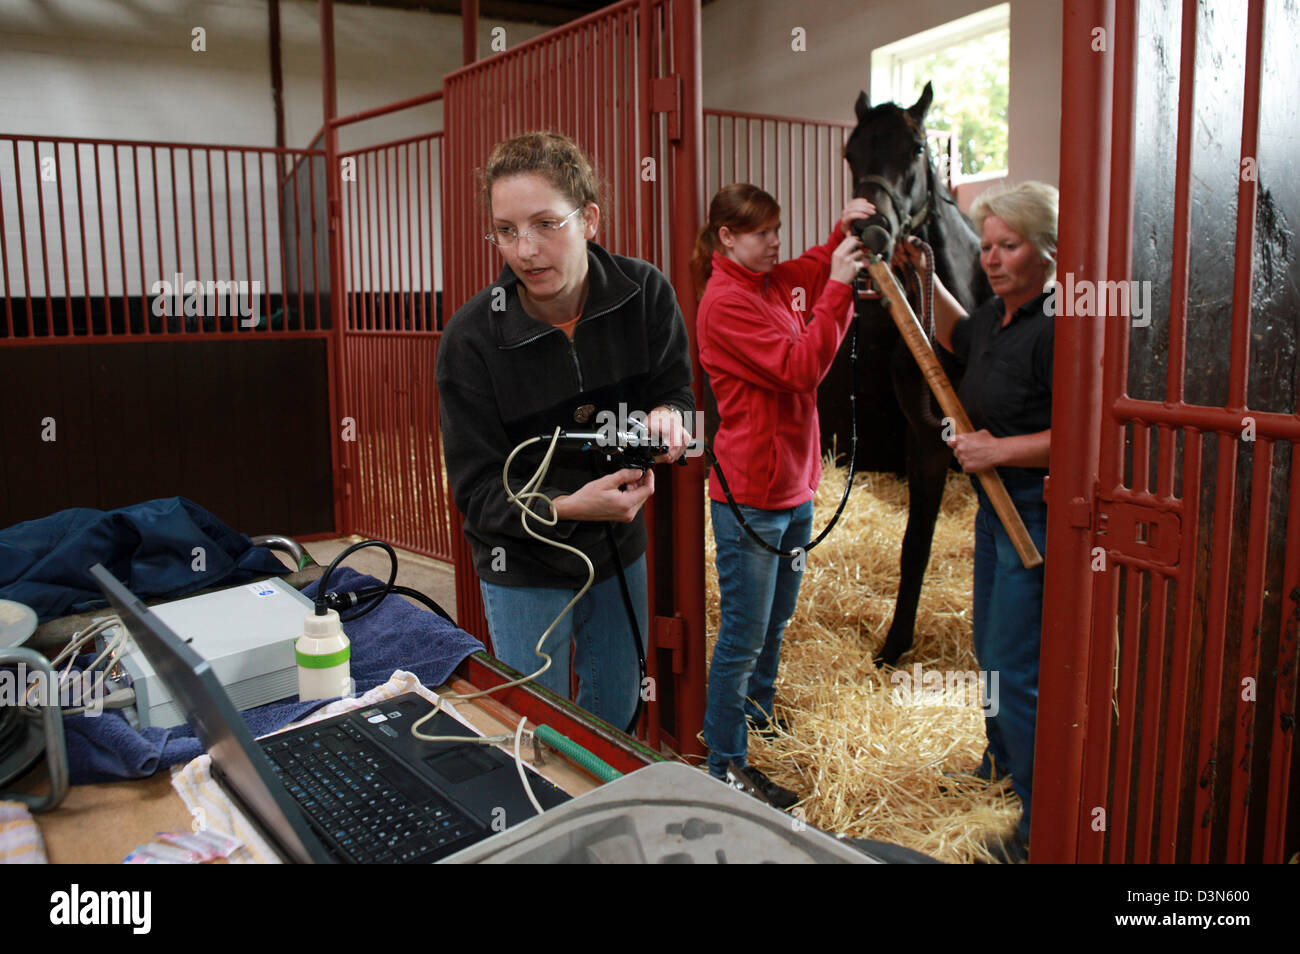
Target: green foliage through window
x,y
970,80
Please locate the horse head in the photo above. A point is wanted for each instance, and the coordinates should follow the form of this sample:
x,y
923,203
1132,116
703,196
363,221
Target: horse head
x,y
890,161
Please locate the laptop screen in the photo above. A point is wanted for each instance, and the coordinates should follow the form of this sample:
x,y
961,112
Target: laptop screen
x,y
198,694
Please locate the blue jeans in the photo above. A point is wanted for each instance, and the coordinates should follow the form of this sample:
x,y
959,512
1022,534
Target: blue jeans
x,y
758,592
1008,615
609,679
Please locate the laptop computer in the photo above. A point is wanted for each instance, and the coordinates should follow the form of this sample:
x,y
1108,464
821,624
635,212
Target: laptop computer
x,y
355,788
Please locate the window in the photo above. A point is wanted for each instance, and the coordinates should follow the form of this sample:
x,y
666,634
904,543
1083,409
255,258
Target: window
x,y
967,60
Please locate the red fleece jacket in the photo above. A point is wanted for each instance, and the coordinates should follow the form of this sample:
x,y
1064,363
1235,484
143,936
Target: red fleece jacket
x,y
764,364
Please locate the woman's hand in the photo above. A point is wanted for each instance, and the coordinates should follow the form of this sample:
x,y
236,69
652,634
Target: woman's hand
x,y
977,451
601,499
908,252
665,423
947,309
856,209
847,260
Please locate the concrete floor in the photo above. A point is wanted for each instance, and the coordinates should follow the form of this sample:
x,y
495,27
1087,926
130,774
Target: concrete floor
x,y
433,578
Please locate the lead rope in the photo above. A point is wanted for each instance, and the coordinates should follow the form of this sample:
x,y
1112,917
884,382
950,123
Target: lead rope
x,y
923,282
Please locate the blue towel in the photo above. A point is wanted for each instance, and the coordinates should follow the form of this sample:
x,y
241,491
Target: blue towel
x,y
395,635
165,547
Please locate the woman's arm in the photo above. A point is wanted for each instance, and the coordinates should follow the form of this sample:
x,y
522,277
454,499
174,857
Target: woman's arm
x,y
947,309
742,339
475,448
744,342
947,312
979,450
616,497
668,388
813,268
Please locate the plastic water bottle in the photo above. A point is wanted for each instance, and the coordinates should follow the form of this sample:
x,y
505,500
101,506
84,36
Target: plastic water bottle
x,y
324,658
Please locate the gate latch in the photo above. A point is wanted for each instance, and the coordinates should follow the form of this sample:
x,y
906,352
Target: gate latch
x,y
1138,531
666,97
670,634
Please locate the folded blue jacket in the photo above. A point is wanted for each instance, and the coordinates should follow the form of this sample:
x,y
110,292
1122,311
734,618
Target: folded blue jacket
x,y
166,547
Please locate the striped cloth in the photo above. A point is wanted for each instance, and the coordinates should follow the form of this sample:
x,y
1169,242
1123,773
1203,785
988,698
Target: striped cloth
x,y
20,839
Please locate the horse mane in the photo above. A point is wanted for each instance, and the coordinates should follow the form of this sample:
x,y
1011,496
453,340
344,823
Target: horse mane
x,y
972,289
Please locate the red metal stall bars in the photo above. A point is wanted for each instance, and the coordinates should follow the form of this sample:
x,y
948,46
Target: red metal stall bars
x,y
1166,725
625,84
117,240
389,211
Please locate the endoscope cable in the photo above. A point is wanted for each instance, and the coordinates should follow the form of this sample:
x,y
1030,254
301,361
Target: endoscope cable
x,y
527,493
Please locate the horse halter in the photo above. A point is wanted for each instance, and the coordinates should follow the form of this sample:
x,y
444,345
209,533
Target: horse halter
x,y
917,218
922,281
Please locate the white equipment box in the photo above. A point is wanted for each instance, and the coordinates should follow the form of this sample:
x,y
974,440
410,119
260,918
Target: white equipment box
x,y
246,633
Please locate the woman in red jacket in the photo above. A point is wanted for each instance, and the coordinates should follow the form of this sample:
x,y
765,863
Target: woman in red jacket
x,y
765,357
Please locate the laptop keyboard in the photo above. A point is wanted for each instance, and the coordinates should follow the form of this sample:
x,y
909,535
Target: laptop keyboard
x,y
367,808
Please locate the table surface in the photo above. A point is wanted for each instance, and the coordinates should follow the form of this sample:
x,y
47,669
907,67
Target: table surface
x,y
103,823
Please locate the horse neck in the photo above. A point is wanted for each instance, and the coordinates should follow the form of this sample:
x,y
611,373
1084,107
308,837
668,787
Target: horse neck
x,y
957,255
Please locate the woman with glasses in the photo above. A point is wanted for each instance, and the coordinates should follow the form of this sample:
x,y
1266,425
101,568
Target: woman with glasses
x,y
570,336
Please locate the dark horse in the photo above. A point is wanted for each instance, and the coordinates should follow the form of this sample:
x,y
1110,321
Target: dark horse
x,y
892,167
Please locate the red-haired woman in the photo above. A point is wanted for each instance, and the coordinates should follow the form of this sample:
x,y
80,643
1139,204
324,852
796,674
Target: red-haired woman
x,y
765,355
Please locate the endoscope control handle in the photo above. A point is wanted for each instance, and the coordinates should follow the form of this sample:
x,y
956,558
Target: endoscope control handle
x,y
873,232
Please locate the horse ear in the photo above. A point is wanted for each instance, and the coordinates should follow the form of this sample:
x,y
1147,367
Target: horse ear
x,y
862,106
922,106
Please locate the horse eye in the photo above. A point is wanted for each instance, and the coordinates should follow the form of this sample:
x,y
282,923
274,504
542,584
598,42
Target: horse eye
x,y
920,149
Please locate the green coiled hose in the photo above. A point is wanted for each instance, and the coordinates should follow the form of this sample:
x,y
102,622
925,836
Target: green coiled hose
x,y
566,746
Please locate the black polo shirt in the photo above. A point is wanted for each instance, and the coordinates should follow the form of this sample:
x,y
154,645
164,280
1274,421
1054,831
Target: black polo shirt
x,y
1007,384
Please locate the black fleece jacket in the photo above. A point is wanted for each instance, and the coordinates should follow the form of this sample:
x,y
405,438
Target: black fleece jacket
x,y
503,377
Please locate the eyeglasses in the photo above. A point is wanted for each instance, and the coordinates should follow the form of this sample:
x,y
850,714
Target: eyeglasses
x,y
542,232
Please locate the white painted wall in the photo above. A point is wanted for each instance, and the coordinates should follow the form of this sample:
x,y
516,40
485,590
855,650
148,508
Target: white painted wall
x,y
749,63
126,70
113,69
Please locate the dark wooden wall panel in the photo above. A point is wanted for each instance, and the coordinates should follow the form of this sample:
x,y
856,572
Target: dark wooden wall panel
x,y
240,427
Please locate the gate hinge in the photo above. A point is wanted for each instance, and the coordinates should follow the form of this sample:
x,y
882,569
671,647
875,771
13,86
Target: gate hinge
x,y
1141,531
666,97
670,634
1079,513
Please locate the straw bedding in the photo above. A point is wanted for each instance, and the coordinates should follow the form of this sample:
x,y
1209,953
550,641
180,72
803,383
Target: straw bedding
x,y
867,750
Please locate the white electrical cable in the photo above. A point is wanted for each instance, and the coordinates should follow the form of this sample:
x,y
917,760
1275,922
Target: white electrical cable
x,y
520,499
70,652
519,764
80,639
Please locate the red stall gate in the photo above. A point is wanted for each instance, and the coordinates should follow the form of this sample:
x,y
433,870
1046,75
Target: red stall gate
x,y
1166,722
624,83
393,482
